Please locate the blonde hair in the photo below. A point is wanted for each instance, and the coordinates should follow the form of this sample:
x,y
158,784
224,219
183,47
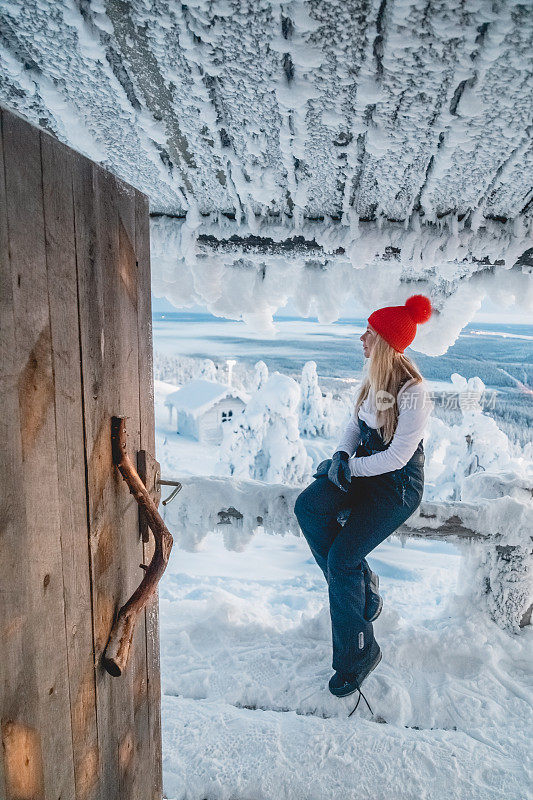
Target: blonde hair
x,y
386,370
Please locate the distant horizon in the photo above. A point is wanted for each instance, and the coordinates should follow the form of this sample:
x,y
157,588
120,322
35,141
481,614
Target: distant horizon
x,y
488,312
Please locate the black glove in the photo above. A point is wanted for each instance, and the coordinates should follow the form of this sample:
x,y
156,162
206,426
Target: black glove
x,y
323,468
339,472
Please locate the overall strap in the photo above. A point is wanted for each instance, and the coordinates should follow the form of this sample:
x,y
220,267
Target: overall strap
x,y
404,380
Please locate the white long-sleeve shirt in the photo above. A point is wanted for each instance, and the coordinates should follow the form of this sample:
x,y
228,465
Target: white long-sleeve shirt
x,y
414,409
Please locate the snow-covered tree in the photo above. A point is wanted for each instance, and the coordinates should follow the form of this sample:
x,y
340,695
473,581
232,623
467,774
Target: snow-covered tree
x,y
208,370
314,409
265,443
455,453
260,376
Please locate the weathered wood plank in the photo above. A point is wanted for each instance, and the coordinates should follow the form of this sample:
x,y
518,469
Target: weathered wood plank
x,y
104,527
39,719
146,396
57,162
126,206
13,539
111,387
6,393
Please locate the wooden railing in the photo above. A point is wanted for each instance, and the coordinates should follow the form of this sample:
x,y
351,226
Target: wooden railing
x,y
501,580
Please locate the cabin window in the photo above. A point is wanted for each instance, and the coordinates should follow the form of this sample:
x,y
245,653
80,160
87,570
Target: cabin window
x,y
226,415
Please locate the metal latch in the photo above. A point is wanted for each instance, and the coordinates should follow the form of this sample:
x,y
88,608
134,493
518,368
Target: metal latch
x,y
150,473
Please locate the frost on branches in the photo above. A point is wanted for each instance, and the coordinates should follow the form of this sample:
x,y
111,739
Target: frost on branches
x,y
265,443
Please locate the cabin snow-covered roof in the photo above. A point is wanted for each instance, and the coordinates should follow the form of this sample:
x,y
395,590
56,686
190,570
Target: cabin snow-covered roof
x,y
200,395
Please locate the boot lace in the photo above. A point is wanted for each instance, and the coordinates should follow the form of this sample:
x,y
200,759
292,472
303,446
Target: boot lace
x,y
358,701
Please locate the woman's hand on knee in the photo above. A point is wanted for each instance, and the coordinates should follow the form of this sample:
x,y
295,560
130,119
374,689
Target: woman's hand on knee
x,y
323,468
339,472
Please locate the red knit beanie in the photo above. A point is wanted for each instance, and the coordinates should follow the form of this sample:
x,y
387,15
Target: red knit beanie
x,y
397,324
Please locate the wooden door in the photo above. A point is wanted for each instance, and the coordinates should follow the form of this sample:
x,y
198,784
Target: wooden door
x,y
75,350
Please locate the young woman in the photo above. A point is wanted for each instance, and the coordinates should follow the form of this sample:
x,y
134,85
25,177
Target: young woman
x,y
377,472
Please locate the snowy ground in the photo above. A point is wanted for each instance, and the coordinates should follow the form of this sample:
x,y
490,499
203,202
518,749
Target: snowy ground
x,y
246,656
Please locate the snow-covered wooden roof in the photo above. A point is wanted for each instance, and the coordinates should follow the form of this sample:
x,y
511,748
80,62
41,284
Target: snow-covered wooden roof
x,y
354,132
198,396
326,107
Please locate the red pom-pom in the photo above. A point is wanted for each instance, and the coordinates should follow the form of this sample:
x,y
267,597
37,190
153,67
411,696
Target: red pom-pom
x,y
419,307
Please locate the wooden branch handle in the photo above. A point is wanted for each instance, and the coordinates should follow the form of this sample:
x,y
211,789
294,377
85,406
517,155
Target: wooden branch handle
x,y
118,646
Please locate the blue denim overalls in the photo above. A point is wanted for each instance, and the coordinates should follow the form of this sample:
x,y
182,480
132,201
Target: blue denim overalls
x,y
376,506
372,442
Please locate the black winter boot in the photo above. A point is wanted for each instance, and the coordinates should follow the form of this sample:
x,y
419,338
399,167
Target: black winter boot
x,y
341,684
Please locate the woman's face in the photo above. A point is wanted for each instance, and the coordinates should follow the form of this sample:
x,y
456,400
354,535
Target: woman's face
x,y
368,338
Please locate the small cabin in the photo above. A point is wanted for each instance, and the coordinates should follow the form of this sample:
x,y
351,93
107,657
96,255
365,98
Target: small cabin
x,y
203,408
